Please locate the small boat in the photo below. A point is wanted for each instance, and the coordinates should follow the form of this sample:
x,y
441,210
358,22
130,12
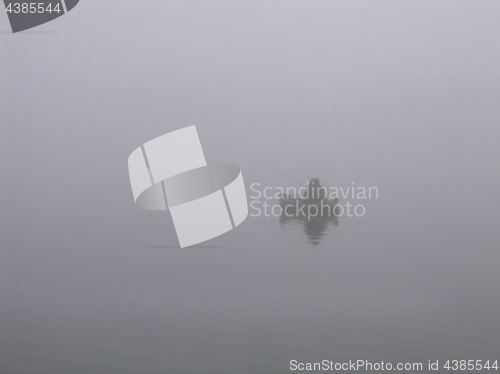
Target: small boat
x,y
295,206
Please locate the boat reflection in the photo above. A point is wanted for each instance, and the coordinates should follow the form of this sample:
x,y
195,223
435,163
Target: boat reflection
x,y
314,227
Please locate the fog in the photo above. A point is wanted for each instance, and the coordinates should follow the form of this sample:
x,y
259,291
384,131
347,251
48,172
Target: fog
x,y
402,96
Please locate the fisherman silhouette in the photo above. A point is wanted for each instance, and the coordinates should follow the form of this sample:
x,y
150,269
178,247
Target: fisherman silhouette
x,y
314,191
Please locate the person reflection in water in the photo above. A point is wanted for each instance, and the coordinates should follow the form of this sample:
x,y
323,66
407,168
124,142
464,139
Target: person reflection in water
x,y
314,227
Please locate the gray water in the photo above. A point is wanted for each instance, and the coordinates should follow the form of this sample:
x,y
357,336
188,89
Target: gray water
x,y
398,95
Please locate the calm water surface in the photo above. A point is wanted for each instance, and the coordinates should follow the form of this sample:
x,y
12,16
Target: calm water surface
x,y
346,92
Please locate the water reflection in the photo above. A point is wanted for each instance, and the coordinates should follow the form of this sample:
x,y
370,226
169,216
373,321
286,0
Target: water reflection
x,y
314,227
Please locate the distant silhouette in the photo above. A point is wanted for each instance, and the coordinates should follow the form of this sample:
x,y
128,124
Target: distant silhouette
x,y
314,191
312,209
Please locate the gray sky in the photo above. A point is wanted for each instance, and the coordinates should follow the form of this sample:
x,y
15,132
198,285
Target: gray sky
x,y
399,95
